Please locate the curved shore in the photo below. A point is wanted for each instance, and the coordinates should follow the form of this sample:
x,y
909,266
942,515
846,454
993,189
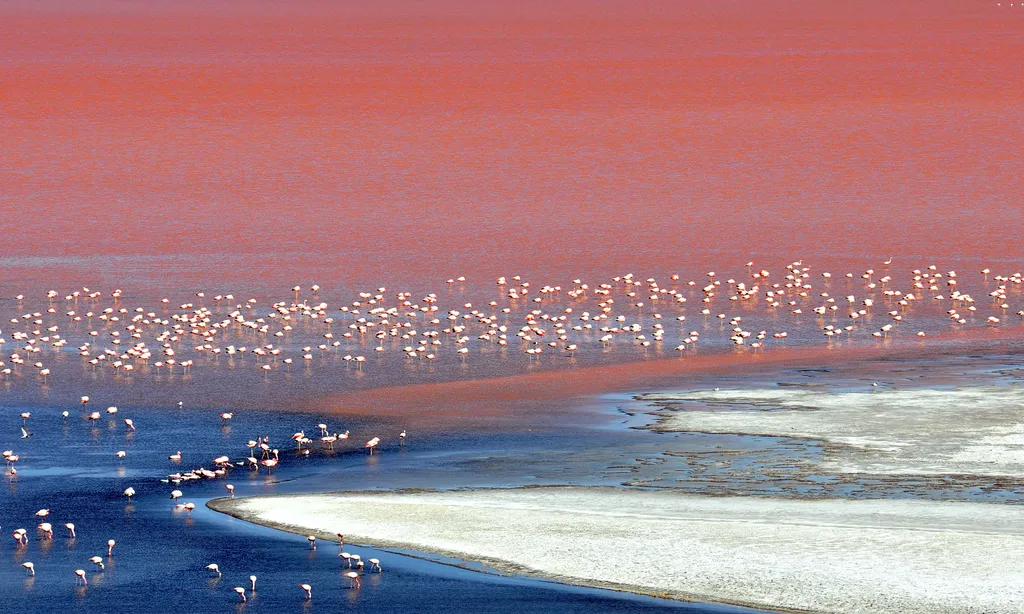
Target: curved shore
x,y
544,392
789,555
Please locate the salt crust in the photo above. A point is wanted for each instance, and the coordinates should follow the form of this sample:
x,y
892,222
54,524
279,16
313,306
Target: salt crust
x,y
977,431
817,555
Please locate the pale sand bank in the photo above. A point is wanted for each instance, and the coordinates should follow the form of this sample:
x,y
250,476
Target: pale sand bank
x,y
976,431
818,555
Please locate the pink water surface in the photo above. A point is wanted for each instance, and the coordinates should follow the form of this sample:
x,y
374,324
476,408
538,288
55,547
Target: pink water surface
x,y
365,141
249,146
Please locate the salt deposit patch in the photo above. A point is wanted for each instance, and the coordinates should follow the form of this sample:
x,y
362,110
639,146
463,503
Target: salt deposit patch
x,y
819,555
976,431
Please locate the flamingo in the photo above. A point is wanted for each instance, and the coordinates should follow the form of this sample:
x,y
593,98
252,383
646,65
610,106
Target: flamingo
x,y
30,568
175,457
80,575
215,568
110,547
252,581
372,444
308,589
128,422
21,536
10,458
353,579
129,492
231,489
71,530
97,561
375,565
222,461
312,542
240,592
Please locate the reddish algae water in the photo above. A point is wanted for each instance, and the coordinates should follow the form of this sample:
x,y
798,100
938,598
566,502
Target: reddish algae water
x,y
174,147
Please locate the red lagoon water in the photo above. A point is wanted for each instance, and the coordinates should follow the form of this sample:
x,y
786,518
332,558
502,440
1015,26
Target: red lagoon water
x,y
182,144
245,147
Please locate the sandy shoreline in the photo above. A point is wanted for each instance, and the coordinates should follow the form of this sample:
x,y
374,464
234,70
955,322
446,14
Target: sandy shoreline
x,y
546,391
900,431
494,565
794,555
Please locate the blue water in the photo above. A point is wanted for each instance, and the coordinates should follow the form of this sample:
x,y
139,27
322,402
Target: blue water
x,y
159,561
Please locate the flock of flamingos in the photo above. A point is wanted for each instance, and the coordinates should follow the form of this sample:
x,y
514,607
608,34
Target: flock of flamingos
x,y
268,458
625,313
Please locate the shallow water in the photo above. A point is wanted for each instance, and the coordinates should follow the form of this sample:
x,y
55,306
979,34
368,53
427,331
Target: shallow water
x,y
934,429
69,467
